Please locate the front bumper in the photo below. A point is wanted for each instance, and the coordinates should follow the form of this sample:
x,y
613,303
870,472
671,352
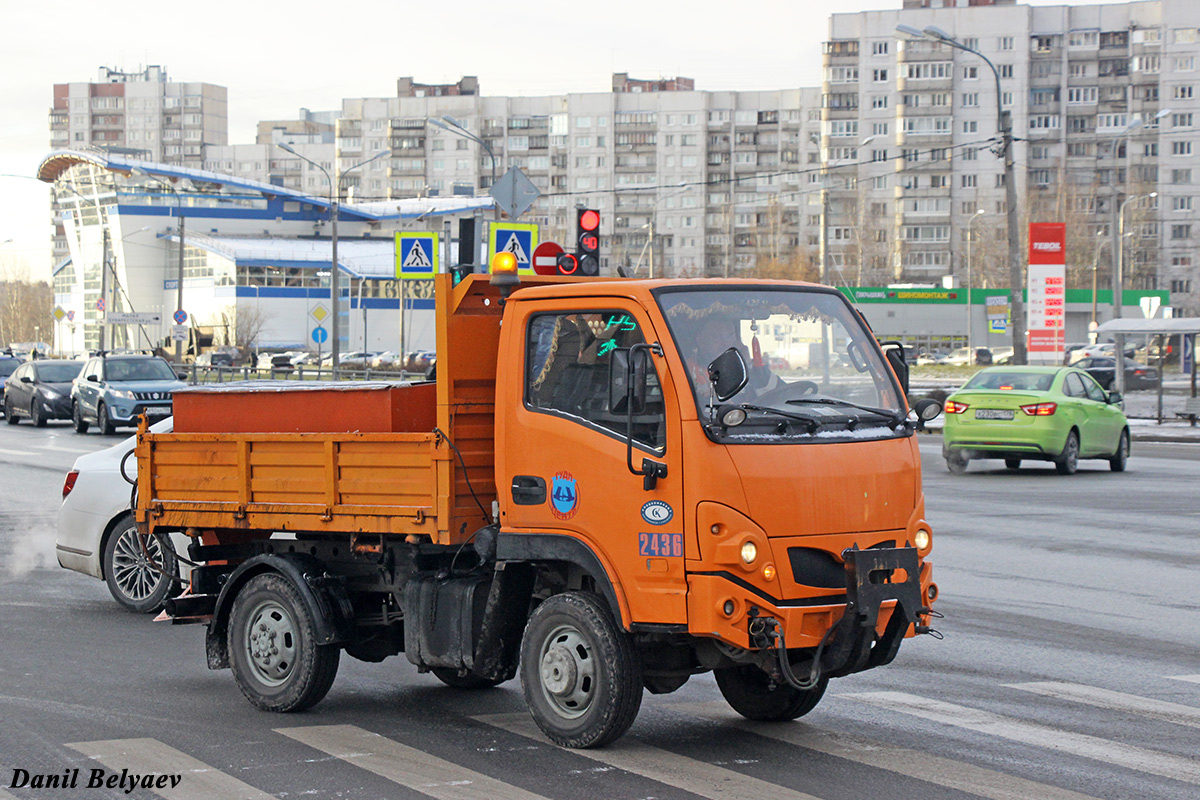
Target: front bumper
x,y
886,598
127,412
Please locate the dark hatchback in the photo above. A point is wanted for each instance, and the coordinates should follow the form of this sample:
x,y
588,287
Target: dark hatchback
x,y
40,391
8,365
1103,369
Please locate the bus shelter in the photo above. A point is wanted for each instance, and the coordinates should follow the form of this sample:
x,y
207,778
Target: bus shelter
x,y
1186,328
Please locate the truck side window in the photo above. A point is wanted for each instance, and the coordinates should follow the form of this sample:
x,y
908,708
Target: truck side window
x,y
567,371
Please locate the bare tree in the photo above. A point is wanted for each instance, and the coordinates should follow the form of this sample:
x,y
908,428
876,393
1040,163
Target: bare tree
x,y
25,305
248,325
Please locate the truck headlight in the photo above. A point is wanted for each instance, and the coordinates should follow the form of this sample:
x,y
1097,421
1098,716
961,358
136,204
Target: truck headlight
x,y
921,539
749,552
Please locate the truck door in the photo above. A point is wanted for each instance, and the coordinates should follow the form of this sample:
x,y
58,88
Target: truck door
x,y
564,458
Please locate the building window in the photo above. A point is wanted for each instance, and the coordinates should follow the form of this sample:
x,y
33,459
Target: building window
x,y
970,100
1181,120
1183,231
879,48
1006,43
969,181
1082,95
1181,148
1182,93
970,126
1181,203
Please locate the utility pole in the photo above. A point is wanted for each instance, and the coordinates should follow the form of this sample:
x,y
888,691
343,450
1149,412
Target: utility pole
x,y
103,281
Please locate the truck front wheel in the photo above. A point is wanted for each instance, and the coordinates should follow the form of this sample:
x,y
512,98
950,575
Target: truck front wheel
x,y
271,640
750,692
580,672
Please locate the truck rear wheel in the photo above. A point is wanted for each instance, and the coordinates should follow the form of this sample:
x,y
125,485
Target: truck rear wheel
x,y
580,672
276,661
749,692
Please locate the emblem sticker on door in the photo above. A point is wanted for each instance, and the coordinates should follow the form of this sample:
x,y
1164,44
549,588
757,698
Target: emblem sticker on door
x,y
656,512
564,495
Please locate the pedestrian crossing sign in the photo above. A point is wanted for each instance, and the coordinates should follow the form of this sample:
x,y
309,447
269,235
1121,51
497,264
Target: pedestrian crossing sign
x,y
416,254
518,238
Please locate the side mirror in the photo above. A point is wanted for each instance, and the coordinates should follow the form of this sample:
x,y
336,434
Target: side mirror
x,y
26,379
926,409
894,352
728,374
94,378
626,386
1115,398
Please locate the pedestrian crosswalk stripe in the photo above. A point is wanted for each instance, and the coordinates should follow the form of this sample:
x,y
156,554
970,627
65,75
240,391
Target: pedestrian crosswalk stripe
x,y
1188,678
688,774
944,772
1121,755
141,756
405,765
1115,701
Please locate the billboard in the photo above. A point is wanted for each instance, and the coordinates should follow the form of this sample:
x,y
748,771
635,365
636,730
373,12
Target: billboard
x,y
1047,285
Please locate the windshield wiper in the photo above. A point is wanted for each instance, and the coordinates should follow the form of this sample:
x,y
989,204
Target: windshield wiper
x,y
813,424
895,418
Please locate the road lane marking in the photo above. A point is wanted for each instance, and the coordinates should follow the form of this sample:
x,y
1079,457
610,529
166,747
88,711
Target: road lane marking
x,y
55,449
663,766
1188,678
1093,747
141,756
17,453
944,772
1114,701
407,766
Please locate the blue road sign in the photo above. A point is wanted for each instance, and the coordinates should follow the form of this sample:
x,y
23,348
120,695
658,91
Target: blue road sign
x,y
416,255
319,335
518,238
180,317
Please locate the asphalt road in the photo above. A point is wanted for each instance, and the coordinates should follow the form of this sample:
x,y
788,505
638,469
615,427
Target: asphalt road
x,y
1070,668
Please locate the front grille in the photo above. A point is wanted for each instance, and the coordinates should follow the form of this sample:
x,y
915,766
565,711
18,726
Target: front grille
x,y
152,396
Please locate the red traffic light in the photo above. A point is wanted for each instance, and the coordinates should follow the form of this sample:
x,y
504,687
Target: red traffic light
x,y
589,219
568,264
589,242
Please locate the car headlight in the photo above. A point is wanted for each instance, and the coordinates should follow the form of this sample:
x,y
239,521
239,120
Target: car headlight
x,y
121,394
749,552
50,394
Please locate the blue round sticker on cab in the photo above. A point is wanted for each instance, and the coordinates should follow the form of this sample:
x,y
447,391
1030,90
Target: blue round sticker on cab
x,y
564,496
656,512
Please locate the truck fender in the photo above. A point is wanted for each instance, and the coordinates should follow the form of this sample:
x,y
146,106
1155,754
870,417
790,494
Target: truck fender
x,y
324,596
558,547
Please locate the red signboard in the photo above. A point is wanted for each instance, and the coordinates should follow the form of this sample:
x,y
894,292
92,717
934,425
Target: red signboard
x,y
1047,291
545,258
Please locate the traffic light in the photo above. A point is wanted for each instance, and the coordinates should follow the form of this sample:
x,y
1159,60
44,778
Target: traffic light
x,y
568,264
587,250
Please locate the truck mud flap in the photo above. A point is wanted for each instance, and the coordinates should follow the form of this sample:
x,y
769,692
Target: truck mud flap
x,y
873,577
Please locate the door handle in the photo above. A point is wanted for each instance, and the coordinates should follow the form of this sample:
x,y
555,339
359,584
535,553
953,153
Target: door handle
x,y
528,490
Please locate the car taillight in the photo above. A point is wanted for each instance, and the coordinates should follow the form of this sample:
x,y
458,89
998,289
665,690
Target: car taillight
x,y
69,483
953,407
1040,409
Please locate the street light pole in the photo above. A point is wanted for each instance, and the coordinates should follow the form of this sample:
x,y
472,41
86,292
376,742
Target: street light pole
x,y
1119,290
970,311
1004,127
452,125
334,282
179,277
1092,335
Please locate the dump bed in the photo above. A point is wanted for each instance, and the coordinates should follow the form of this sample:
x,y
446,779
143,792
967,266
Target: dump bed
x,y
379,458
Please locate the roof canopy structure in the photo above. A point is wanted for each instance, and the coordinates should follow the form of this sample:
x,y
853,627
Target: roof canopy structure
x,y
1171,327
58,162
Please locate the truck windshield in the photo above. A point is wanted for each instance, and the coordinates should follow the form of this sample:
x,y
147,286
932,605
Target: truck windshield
x,y
814,370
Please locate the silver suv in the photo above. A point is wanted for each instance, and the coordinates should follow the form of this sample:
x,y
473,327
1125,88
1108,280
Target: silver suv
x,y
114,391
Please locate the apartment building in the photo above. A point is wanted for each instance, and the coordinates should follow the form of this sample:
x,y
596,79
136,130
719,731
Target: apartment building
x,y
143,114
717,177
1103,101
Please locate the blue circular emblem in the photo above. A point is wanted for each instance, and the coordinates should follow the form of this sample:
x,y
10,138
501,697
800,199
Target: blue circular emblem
x,y
656,512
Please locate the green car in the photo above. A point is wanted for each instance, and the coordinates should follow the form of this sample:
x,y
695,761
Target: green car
x,y
1057,414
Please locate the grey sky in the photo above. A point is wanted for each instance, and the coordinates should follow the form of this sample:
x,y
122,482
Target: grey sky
x,y
277,57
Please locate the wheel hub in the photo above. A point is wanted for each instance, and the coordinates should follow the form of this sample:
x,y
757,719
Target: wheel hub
x,y
270,643
560,674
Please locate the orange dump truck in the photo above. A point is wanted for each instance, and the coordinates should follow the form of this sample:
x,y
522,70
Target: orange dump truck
x,y
612,485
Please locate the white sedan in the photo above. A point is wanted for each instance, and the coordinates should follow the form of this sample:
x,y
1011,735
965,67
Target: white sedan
x,y
98,536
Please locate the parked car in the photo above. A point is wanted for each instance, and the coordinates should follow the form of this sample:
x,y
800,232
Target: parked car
x,y
214,359
924,359
1002,355
355,359
1104,370
1057,414
982,357
97,534
8,365
40,390
115,391
420,361
387,360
